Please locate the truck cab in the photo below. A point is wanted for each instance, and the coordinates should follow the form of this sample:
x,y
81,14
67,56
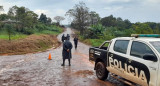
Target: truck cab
x,y
134,59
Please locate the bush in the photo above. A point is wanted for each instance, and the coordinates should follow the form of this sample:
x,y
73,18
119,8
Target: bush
x,y
28,31
40,27
95,31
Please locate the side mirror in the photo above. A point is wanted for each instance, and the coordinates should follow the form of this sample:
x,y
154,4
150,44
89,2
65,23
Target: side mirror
x,y
150,57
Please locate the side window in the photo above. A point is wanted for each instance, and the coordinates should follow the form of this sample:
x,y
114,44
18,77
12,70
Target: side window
x,y
105,45
121,46
139,49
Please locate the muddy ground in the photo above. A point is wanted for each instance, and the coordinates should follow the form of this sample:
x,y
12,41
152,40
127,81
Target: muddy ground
x,y
37,70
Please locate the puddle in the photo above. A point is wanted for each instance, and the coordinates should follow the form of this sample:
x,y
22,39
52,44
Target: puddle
x,y
84,73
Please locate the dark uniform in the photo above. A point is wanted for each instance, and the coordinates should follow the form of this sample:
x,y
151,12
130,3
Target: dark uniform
x,y
66,53
68,36
75,42
63,38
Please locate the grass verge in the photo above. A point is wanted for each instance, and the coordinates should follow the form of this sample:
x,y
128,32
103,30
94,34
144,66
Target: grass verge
x,y
30,44
92,42
13,37
22,44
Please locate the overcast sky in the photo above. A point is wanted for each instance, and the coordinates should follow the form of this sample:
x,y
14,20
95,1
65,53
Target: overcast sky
x,y
134,10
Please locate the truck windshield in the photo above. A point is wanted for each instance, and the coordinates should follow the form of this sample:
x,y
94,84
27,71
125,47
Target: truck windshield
x,y
156,45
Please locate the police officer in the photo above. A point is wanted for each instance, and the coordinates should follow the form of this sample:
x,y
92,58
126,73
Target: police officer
x,y
66,53
63,38
68,36
75,42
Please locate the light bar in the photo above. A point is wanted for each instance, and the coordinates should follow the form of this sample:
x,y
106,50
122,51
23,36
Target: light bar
x,y
145,35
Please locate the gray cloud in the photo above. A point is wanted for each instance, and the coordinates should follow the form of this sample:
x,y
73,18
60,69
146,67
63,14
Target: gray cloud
x,y
134,10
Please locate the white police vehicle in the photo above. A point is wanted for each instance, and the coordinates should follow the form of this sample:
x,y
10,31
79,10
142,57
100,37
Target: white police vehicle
x,y
136,59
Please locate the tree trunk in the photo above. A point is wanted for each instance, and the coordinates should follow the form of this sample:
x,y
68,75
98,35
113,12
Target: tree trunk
x,y
9,36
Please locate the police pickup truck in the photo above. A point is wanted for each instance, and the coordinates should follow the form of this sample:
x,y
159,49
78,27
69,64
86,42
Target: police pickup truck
x,y
135,59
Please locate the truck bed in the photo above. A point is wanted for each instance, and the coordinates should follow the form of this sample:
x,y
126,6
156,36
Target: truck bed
x,y
96,53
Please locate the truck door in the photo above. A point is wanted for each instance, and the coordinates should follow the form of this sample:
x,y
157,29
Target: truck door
x,y
117,57
139,70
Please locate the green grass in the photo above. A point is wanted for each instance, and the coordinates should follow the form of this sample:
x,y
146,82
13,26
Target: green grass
x,y
13,37
47,32
92,42
19,36
95,42
16,35
52,30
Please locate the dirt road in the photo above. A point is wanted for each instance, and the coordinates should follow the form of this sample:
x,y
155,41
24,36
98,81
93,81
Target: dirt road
x,y
37,70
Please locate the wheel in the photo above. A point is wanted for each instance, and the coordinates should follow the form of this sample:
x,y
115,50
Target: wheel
x,y
101,71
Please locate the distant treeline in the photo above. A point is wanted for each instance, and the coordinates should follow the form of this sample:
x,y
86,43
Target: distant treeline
x,y
23,20
91,26
110,27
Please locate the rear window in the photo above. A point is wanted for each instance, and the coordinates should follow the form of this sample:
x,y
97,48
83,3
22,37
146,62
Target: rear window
x,y
156,45
121,46
139,49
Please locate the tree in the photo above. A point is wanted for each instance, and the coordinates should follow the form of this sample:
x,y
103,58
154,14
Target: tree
x,y
142,28
9,30
20,13
23,16
109,21
13,11
120,23
128,24
43,18
3,17
95,31
80,15
49,20
1,9
156,30
59,19
94,17
30,19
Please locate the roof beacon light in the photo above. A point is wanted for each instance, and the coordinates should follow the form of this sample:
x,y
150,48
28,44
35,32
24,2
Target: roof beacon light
x,y
145,35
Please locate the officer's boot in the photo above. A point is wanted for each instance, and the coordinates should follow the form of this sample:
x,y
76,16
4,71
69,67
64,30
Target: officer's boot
x,y
69,62
63,63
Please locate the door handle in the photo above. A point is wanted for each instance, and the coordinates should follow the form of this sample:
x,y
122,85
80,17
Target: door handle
x,y
153,68
129,60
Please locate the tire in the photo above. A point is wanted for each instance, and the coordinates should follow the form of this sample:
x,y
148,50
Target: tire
x,y
101,71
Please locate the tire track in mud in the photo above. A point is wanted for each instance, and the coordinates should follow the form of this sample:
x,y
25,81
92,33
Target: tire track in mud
x,y
83,56
30,58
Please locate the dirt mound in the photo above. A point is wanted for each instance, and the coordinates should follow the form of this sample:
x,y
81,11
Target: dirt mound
x,y
84,73
32,43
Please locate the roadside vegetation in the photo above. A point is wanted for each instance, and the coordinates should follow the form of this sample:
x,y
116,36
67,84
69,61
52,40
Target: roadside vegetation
x,y
94,30
22,31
